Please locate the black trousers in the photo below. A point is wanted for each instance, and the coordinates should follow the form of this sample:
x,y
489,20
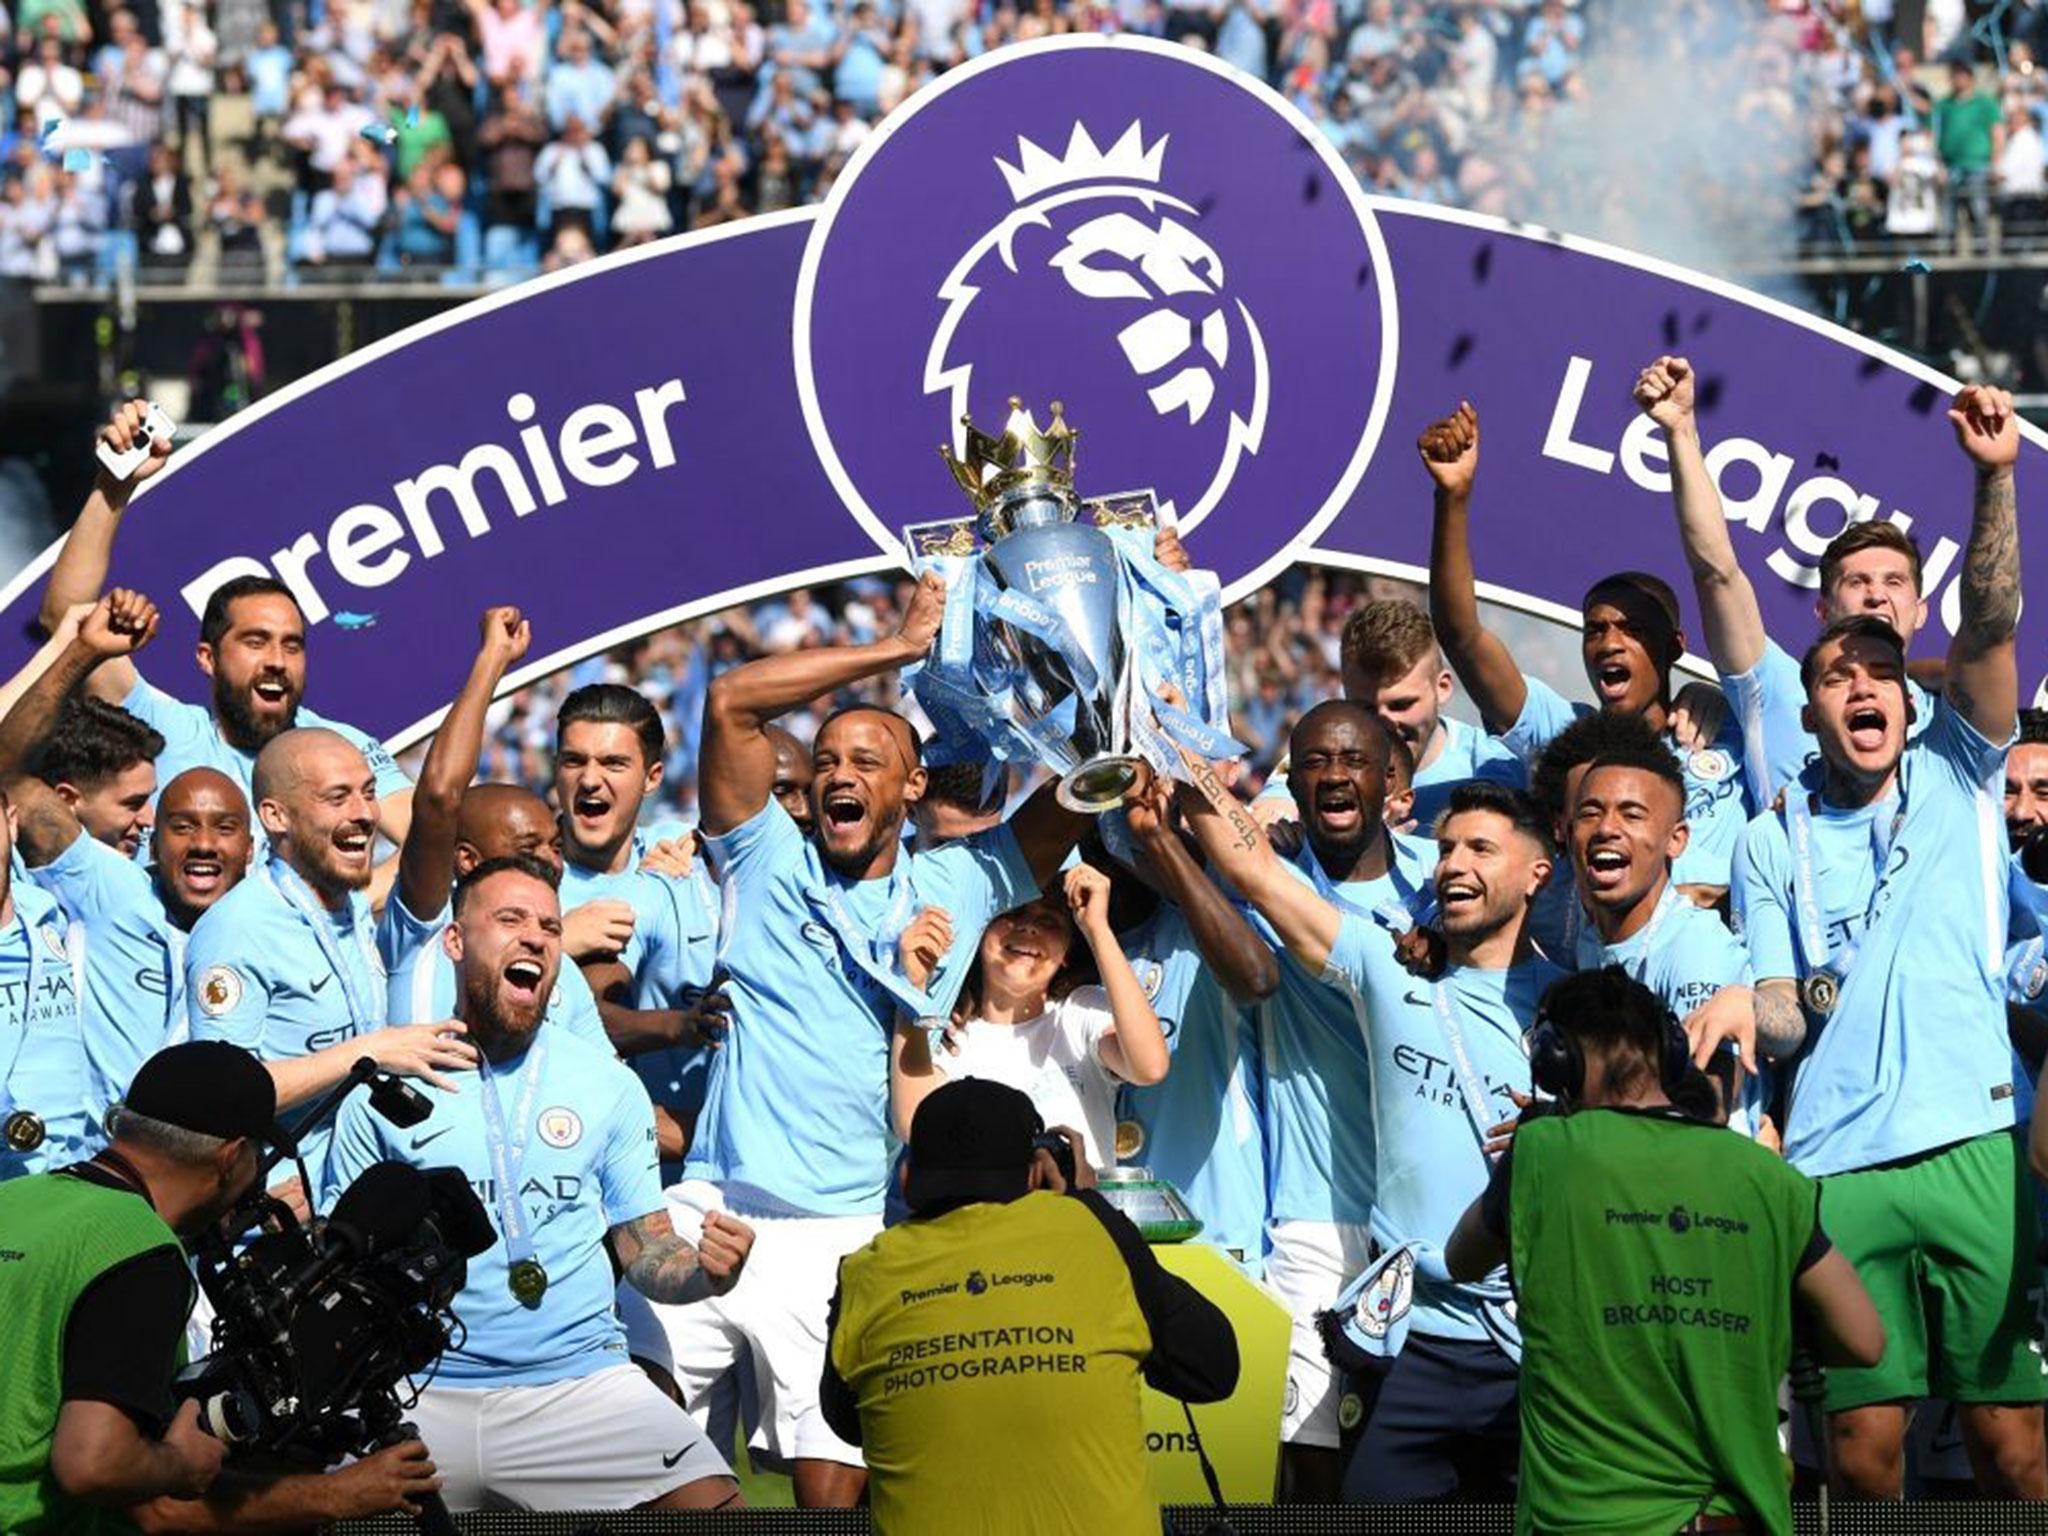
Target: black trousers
x,y
1441,1422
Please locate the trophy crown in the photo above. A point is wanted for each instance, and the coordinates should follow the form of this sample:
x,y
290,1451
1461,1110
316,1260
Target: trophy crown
x,y
1023,464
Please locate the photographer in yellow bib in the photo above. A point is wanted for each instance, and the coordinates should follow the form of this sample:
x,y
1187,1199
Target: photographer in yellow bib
x,y
1656,1260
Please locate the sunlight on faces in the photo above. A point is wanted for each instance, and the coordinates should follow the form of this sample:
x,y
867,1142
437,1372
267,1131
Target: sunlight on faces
x,y
506,946
1857,708
1023,949
601,778
2026,789
1410,705
319,804
498,821
258,668
116,811
1626,825
1628,647
1337,773
1487,872
867,777
203,838
1878,582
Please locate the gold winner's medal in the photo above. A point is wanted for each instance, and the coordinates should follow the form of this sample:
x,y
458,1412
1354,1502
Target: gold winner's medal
x,y
528,1282
1819,992
1130,1138
24,1131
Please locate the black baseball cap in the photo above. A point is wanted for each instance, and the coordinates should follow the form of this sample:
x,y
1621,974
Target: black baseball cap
x,y
211,1088
971,1141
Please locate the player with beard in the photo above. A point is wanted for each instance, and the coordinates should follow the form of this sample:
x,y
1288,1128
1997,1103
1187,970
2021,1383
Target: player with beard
x,y
794,1132
135,920
1446,1069
536,1406
1630,641
1626,830
252,645
285,965
1876,895
652,939
1319,1150
1872,567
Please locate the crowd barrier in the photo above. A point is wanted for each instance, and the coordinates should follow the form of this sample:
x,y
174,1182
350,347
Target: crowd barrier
x,y
1844,1518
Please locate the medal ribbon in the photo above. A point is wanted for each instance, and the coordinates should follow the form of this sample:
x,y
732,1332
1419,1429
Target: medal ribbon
x,y
363,1014
1818,953
1591,952
35,987
508,1154
1470,1084
861,950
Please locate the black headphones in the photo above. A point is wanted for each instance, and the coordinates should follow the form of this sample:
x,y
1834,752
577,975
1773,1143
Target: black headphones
x,y
1557,1063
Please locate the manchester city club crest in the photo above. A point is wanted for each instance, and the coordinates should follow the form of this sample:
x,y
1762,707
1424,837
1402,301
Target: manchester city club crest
x,y
560,1127
1138,231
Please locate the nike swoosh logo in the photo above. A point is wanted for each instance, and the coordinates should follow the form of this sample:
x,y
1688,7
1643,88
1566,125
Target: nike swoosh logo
x,y
667,1462
421,1141
323,981
1410,997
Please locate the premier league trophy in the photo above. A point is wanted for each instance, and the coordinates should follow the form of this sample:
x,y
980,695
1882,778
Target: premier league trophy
x,y
1060,626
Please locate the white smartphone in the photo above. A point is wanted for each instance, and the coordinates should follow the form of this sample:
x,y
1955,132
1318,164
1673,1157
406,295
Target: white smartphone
x,y
157,427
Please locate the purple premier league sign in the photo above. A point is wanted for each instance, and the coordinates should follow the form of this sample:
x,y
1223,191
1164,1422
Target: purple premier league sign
x,y
1132,228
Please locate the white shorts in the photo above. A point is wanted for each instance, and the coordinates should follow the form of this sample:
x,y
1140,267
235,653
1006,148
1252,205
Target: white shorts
x,y
1309,1263
605,1442
772,1322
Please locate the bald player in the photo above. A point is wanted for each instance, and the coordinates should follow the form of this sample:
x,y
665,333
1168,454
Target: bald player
x,y
286,964
135,920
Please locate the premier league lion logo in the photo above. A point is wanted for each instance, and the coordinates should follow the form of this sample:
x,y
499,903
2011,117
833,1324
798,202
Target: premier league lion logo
x,y
1138,231
1097,251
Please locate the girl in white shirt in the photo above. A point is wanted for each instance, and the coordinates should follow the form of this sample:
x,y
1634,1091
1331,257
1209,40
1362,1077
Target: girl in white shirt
x,y
1023,1021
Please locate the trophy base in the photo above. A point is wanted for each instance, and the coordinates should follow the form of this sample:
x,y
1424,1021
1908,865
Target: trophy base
x,y
1099,784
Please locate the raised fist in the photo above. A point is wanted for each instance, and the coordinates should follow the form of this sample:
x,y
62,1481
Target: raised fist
x,y
1987,427
1664,390
1450,450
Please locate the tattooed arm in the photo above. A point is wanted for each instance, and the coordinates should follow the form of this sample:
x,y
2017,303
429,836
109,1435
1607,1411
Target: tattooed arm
x,y
1237,847
662,1267
1780,1022
1983,666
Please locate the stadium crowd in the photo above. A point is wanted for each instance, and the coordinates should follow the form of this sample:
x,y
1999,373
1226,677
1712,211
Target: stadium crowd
x,y
486,138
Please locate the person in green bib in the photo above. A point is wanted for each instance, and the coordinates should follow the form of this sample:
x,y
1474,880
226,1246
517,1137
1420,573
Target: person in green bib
x,y
1656,1259
95,1289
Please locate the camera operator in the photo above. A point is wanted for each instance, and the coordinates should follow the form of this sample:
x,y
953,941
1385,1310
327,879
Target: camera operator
x,y
95,1292
538,1406
1655,1263
986,1353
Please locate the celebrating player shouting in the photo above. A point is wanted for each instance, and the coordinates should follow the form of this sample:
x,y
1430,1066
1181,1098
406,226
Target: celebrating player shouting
x,y
794,1133
1876,894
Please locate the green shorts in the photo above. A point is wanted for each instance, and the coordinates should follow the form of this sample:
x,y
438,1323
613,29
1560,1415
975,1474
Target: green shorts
x,y
1945,1245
